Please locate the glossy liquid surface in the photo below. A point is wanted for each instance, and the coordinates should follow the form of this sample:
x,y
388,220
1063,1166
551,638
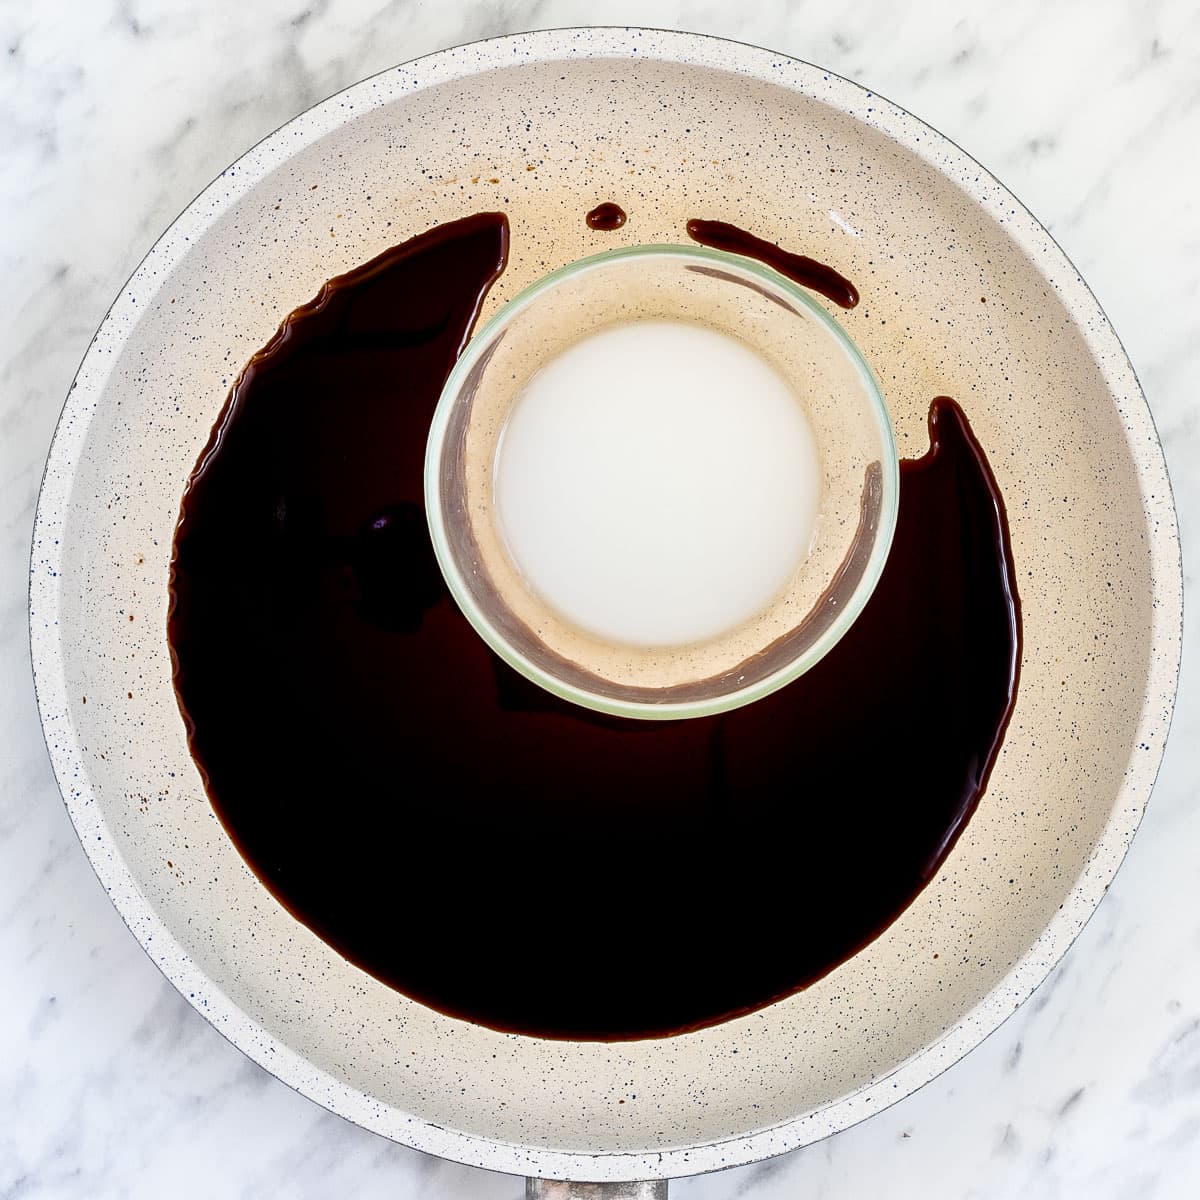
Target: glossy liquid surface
x,y
607,216
808,272
488,849
630,470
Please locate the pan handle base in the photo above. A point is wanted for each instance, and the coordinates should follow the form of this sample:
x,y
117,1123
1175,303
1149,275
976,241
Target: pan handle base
x,y
555,1189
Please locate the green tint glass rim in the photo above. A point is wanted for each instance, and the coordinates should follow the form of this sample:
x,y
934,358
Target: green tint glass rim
x,y
650,710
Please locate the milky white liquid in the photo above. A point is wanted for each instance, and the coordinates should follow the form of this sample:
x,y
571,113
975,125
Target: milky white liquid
x,y
657,483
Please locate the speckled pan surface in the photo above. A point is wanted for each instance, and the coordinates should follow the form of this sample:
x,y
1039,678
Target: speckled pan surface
x,y
963,294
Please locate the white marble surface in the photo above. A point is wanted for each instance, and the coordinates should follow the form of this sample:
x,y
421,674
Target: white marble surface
x,y
113,114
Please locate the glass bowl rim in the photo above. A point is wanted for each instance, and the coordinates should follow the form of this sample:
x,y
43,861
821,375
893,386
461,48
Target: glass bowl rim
x,y
480,341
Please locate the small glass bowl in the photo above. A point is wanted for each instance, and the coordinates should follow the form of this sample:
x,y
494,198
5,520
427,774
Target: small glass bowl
x,y
857,463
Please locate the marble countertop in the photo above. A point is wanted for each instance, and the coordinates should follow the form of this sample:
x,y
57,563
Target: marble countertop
x,y
113,115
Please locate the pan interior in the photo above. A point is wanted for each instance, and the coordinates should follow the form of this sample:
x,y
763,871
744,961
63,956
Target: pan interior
x,y
951,304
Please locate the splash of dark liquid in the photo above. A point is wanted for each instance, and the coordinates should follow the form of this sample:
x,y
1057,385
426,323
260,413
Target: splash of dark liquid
x,y
606,216
484,847
807,272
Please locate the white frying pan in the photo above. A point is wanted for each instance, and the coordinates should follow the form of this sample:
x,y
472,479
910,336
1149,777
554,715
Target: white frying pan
x,y
672,125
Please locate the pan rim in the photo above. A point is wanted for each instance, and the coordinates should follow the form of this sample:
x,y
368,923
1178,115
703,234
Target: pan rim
x,y
941,154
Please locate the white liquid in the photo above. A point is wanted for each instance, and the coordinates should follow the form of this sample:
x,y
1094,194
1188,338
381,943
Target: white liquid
x,y
657,483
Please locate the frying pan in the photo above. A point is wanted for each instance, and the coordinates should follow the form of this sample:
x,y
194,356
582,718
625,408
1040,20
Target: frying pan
x,y
963,294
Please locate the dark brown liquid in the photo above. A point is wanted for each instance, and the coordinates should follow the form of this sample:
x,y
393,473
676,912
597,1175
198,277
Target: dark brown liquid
x,y
484,847
807,272
606,216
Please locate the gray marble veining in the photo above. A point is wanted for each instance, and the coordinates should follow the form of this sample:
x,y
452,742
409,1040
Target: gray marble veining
x,y
113,117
